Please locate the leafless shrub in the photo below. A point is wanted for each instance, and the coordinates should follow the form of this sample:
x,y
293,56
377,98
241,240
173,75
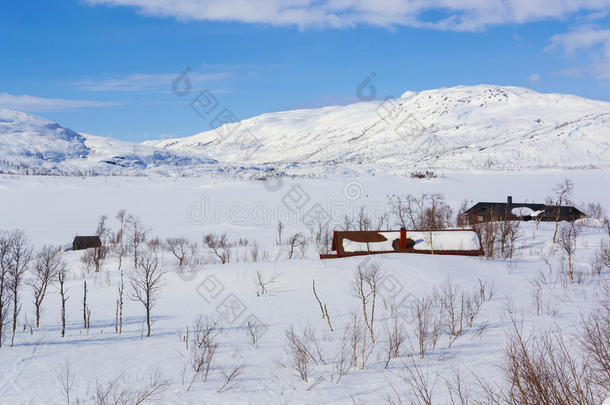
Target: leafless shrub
x,y
421,385
567,242
397,336
601,259
542,370
220,246
230,377
508,235
179,248
146,281
488,234
427,329
294,242
322,237
203,348
323,308
597,212
345,359
459,309
121,391
300,352
66,380
254,251
121,216
365,285
136,236
359,341
459,392
595,343
280,229
254,330
461,219
536,294
262,283
452,301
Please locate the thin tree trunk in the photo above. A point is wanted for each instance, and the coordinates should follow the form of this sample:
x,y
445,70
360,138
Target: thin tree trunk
x,y
85,304
15,312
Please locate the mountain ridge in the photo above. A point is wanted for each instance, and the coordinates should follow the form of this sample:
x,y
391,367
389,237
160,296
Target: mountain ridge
x,y
483,127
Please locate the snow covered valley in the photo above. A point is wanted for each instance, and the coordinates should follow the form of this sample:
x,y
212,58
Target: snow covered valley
x,y
264,291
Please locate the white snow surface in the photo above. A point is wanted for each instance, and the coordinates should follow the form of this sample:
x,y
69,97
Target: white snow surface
x,y
51,210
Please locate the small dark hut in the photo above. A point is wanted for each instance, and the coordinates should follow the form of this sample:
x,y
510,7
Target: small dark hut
x,y
86,242
499,211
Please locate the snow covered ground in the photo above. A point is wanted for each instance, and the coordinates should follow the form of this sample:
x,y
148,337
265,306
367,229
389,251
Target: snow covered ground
x,y
52,210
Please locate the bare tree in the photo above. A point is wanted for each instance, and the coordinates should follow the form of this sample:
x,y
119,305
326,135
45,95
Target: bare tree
x,y
280,229
220,246
61,278
488,234
419,382
295,241
121,252
322,237
121,216
396,337
136,234
18,261
48,262
86,311
365,287
567,242
345,360
561,195
5,299
179,247
66,379
105,236
146,281
262,283
203,349
461,219
301,352
424,322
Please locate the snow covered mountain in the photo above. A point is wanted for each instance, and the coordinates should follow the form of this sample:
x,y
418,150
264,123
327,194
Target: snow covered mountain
x,y
460,128
34,145
465,127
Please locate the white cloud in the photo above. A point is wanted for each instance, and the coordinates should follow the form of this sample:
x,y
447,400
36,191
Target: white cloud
x,y
145,81
534,78
593,43
463,15
40,104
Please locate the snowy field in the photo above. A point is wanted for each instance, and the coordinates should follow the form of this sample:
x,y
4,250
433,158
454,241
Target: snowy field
x,y
52,210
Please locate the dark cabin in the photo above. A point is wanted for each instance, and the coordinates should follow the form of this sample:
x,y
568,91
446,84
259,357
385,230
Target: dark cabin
x,y
496,211
86,242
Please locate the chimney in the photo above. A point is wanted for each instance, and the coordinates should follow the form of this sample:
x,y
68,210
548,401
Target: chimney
x,y
509,200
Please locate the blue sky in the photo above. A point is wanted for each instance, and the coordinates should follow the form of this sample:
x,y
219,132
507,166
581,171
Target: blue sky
x,y
106,66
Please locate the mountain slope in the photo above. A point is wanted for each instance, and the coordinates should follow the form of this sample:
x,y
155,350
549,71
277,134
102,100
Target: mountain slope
x,y
34,145
464,127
